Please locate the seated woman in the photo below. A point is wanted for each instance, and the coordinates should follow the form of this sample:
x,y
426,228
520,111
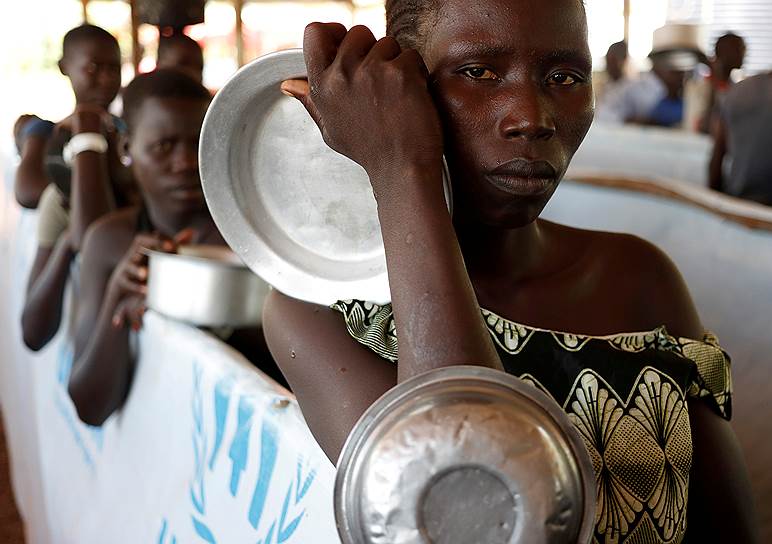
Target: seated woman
x,y
164,111
503,89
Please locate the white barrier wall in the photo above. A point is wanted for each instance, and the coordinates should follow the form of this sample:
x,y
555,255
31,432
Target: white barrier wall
x,y
643,152
205,449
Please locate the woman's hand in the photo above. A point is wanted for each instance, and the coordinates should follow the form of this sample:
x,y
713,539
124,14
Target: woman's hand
x,y
370,100
128,283
88,118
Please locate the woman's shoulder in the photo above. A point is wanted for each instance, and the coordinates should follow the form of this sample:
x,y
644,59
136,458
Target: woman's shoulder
x,y
628,267
109,235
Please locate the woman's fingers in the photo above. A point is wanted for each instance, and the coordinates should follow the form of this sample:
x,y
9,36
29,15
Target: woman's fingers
x,y
320,47
137,273
299,88
183,237
384,49
354,48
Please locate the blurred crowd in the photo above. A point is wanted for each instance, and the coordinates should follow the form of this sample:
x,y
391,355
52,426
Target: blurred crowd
x,y
688,90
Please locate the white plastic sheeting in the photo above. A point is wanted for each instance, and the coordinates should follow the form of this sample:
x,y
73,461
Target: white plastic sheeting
x,y
643,152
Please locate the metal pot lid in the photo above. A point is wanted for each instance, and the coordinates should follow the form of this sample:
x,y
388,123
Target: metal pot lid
x,y
464,455
302,216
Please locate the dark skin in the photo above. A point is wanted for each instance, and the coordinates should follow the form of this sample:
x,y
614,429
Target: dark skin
x,y
93,68
500,97
164,151
42,312
185,56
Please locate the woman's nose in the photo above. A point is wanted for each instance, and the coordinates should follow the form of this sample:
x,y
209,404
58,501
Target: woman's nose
x,y
185,158
526,115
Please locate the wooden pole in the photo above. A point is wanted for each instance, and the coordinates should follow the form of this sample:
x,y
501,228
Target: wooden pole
x,y
627,20
238,5
136,52
84,6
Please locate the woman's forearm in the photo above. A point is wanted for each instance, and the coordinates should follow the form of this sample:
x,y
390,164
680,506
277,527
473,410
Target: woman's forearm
x,y
31,178
42,312
435,308
90,196
101,374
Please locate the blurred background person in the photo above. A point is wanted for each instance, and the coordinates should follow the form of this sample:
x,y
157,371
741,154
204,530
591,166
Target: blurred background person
x,y
181,52
741,163
610,81
656,96
704,92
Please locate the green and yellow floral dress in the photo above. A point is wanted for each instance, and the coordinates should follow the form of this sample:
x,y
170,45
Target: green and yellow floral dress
x,y
625,393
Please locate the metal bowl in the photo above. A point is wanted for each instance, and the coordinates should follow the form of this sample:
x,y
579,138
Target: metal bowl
x,y
464,455
302,216
206,286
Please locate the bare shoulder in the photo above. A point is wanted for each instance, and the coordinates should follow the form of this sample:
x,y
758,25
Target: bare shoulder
x,y
111,234
650,278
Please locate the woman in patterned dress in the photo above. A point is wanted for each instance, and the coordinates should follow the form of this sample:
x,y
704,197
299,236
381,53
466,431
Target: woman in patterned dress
x,y
503,89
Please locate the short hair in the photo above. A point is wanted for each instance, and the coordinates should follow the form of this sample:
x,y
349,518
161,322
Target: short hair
x,y
83,33
167,42
406,21
165,83
618,48
725,39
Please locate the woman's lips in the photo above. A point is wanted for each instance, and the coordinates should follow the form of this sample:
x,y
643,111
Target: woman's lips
x,y
187,193
520,185
523,177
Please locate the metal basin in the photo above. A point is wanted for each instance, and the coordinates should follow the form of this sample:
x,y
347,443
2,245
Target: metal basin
x,y
206,286
300,215
464,455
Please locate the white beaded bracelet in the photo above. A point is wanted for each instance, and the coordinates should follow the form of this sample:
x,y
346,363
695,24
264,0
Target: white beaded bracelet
x,y
85,141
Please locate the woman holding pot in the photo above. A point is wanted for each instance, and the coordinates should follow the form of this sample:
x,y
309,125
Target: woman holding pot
x,y
503,90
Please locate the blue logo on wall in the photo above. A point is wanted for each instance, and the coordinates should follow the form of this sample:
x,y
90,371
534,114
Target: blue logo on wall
x,y
282,526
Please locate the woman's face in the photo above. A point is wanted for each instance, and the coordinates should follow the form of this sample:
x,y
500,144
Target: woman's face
x,y
163,147
512,82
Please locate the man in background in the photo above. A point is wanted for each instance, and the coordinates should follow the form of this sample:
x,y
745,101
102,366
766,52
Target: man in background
x,y
614,77
742,135
703,94
181,52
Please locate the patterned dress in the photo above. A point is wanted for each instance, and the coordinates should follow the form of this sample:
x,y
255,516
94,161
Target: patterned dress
x,y
625,394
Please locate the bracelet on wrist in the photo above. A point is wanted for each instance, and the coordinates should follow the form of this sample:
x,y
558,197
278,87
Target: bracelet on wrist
x,y
85,141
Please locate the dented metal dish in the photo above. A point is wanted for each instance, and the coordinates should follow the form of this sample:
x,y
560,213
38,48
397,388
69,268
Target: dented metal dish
x,y
205,286
464,455
300,215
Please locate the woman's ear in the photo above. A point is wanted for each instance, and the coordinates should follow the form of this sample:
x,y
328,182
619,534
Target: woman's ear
x,y
123,149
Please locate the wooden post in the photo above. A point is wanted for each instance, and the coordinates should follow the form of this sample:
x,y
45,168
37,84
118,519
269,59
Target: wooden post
x,y
626,11
136,52
84,5
238,5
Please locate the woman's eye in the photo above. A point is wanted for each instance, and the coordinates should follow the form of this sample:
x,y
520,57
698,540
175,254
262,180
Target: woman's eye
x,y
164,146
479,72
562,79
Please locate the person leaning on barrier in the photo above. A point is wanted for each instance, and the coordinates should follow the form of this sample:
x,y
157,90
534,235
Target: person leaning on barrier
x,y
508,107
163,111
91,60
75,164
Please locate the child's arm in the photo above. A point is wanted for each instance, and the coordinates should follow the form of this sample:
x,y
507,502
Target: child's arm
x,y
42,312
32,135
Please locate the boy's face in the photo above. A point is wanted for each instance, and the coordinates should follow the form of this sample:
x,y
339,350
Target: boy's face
x,y
94,69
